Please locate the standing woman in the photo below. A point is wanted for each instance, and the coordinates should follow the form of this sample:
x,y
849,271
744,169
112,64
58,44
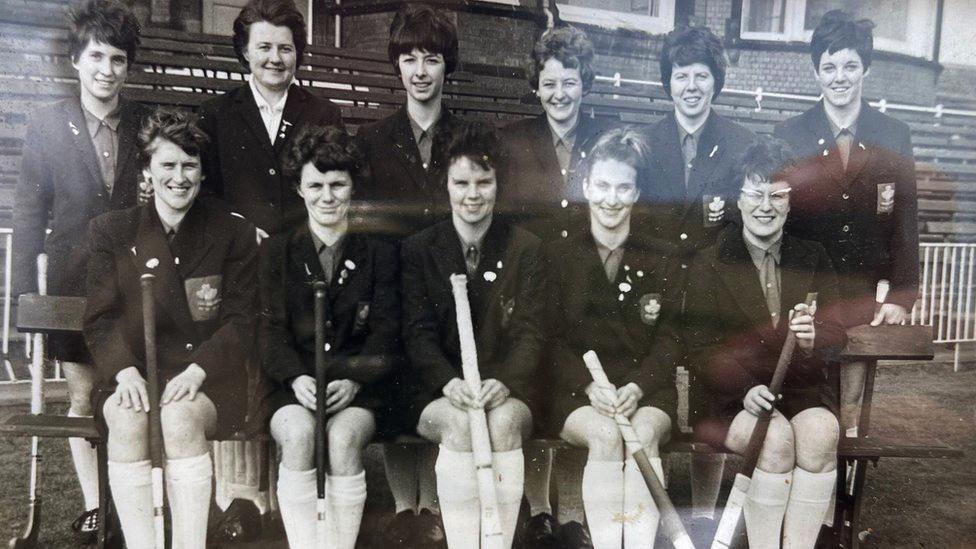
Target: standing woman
x,y
606,295
361,332
205,263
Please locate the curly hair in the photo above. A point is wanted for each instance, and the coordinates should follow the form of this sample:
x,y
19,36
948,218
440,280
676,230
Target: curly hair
x,y
107,21
421,27
475,141
280,13
838,30
624,144
568,45
690,45
768,159
328,148
176,126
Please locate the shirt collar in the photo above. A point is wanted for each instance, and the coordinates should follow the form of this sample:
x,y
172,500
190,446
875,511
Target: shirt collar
x,y
417,130
263,103
319,245
468,236
835,129
758,252
111,120
682,132
568,139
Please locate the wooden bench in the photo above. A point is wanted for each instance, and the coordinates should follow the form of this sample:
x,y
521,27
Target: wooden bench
x,y
48,314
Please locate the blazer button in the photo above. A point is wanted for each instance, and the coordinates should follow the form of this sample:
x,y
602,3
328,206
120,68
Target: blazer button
x,y
846,228
684,265
328,323
272,171
189,346
845,196
683,236
564,233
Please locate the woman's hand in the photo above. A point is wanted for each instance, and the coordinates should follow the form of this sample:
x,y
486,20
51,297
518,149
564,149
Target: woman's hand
x,y
304,388
186,384
339,394
131,390
628,397
458,394
758,400
493,393
801,324
601,400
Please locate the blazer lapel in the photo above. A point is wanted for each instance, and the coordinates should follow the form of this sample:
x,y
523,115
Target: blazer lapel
x,y
82,141
860,150
152,255
249,113
353,253
293,114
740,276
302,255
672,185
544,151
128,131
192,241
405,150
796,275
711,149
826,147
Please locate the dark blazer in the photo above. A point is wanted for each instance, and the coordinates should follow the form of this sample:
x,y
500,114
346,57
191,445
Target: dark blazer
x,y
243,167
682,216
867,216
362,325
731,341
534,190
506,296
211,248
61,187
397,175
621,321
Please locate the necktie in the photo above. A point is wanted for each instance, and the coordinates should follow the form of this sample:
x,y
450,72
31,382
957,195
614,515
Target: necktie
x,y
770,287
471,257
689,150
327,260
844,141
424,145
170,236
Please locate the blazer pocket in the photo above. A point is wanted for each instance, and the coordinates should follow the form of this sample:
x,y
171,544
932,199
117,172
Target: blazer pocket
x,y
203,296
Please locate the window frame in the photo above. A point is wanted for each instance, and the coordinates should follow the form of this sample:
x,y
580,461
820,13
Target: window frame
x,y
608,19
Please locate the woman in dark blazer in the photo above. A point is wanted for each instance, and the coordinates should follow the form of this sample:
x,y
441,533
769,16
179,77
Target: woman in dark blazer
x,y
204,261
505,292
362,329
606,289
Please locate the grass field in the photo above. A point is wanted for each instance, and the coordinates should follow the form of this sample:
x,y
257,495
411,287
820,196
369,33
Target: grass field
x,y
909,503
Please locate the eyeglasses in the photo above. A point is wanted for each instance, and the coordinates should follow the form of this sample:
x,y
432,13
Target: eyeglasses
x,y
777,199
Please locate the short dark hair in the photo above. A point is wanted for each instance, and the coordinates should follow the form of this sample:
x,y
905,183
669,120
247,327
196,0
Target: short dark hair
x,y
107,21
838,30
689,45
624,144
328,148
769,159
478,143
421,27
280,13
568,45
176,126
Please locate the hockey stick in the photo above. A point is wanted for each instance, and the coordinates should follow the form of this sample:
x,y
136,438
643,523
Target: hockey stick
x,y
155,424
321,439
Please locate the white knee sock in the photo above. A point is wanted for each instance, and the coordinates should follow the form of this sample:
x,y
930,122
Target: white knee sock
x,y
427,480
188,489
346,498
296,499
641,515
509,470
764,508
706,480
603,502
538,471
86,465
131,485
400,464
809,500
457,488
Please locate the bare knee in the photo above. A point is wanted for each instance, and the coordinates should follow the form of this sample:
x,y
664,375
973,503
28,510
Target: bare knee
x,y
653,427
778,454
443,423
817,433
184,429
294,432
604,441
128,432
506,425
80,381
348,435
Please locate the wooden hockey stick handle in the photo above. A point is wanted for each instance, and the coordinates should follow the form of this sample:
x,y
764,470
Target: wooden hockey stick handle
x,y
321,421
155,424
480,440
672,527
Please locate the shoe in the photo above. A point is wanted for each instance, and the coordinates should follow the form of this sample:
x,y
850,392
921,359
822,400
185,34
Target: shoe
x,y
85,526
539,532
574,535
239,523
400,531
429,531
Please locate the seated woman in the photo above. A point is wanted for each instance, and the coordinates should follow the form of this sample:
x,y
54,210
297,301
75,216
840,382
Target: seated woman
x,y
606,291
746,292
205,264
505,293
362,328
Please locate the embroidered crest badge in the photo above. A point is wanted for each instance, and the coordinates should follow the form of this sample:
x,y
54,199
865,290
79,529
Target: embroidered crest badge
x,y
650,308
886,198
713,210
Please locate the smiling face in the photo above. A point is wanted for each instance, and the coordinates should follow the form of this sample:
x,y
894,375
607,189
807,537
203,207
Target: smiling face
x,y
841,77
102,70
271,55
560,92
764,207
175,177
422,74
327,196
692,88
472,190
611,190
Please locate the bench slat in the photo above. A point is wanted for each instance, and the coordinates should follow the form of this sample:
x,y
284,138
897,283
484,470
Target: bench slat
x,y
889,343
48,313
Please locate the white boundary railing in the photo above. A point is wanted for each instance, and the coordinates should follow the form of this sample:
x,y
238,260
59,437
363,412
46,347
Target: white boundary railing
x,y
947,303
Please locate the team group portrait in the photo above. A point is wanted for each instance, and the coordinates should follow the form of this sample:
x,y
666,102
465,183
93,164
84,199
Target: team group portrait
x,y
488,274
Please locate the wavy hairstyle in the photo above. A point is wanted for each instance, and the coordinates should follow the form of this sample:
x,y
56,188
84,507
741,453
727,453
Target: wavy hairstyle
x,y
624,144
568,45
421,27
106,21
176,126
838,30
280,13
689,45
328,148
